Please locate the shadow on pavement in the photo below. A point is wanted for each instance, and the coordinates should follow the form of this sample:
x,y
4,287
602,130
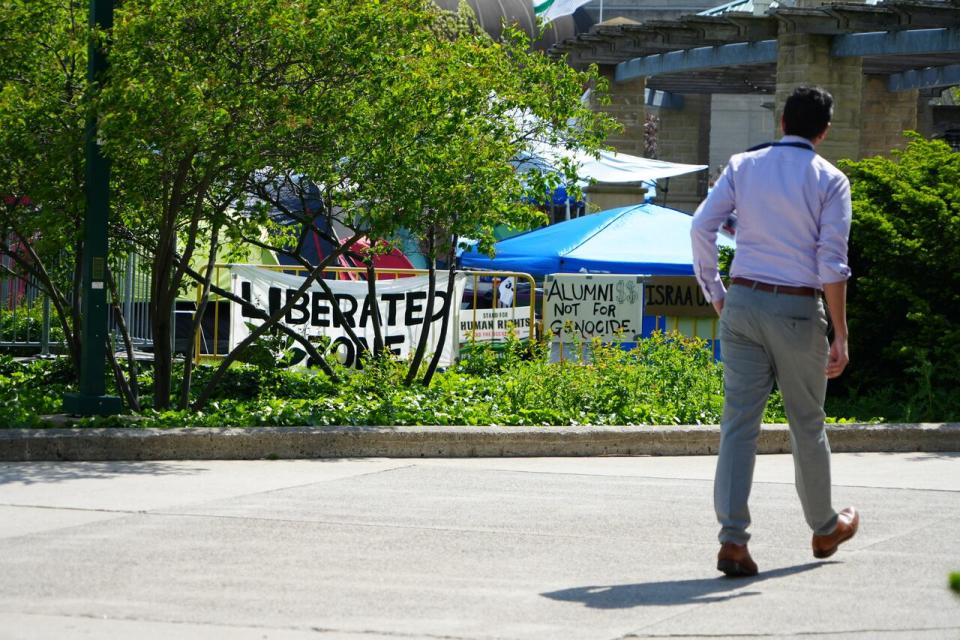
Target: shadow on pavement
x,y
48,472
673,592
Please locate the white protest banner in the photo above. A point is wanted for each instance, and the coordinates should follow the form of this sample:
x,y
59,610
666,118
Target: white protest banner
x,y
593,305
487,325
401,306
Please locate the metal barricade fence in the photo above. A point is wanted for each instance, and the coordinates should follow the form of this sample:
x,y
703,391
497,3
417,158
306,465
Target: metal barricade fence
x,y
27,322
480,324
133,288
24,310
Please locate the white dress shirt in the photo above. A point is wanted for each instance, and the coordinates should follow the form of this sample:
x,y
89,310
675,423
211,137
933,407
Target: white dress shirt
x,y
793,219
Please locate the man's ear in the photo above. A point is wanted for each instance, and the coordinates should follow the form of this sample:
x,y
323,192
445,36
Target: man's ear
x,y
823,135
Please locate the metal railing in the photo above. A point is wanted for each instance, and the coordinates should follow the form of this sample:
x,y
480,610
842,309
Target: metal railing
x,y
24,310
692,327
26,318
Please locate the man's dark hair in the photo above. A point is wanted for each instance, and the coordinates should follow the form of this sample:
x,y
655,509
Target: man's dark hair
x,y
807,112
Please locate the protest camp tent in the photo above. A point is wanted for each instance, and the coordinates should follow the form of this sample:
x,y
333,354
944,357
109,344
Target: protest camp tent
x,y
605,168
296,198
608,167
642,239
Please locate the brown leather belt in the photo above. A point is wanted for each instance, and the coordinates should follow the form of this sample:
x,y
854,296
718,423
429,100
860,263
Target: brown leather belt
x,y
776,288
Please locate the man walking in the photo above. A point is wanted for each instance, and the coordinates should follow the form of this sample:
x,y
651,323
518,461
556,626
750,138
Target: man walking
x,y
793,215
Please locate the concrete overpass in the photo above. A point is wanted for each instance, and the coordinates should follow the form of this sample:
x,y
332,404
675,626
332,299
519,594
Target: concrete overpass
x,y
882,63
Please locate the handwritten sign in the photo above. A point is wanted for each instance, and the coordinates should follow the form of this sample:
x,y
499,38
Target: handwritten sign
x,y
606,306
678,296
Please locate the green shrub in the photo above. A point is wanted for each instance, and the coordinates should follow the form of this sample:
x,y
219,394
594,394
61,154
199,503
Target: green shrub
x,y
904,297
30,390
27,322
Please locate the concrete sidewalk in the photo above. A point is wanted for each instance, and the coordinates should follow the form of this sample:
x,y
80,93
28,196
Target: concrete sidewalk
x,y
519,548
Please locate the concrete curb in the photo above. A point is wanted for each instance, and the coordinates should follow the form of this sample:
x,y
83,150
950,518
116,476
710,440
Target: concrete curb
x,y
20,445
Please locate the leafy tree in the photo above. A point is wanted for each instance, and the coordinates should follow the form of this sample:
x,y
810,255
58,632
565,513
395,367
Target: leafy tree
x,y
194,101
397,123
904,298
397,114
42,117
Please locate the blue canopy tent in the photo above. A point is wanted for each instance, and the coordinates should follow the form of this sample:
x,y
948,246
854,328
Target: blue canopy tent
x,y
644,239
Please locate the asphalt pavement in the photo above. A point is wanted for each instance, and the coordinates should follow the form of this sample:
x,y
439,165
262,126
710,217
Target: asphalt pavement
x,y
518,548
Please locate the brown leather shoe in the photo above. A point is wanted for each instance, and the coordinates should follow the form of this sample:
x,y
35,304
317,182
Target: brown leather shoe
x,y
735,561
848,521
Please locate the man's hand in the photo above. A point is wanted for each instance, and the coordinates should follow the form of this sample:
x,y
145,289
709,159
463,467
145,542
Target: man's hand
x,y
718,305
839,357
836,297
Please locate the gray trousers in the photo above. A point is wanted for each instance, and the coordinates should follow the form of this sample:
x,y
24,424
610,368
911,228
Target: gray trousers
x,y
767,336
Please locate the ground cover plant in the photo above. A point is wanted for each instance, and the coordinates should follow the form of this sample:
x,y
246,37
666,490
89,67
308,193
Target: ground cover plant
x,y
667,379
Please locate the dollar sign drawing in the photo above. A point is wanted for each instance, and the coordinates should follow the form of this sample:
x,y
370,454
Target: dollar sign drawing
x,y
626,292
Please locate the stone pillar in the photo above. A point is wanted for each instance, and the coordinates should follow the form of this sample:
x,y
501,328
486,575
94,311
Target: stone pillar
x,y
685,137
886,115
805,59
628,107
924,115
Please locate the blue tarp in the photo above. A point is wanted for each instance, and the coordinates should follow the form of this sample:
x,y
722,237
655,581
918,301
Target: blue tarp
x,y
641,239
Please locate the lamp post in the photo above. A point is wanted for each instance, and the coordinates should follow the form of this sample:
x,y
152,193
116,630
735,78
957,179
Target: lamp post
x,y
91,398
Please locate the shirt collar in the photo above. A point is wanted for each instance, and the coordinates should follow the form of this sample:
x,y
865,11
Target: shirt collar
x,y
795,139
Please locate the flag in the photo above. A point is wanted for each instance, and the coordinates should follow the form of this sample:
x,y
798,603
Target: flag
x,y
548,10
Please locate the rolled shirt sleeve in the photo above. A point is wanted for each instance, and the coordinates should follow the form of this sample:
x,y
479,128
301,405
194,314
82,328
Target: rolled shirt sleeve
x,y
835,219
710,215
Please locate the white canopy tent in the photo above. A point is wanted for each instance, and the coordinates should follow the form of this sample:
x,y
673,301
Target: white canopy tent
x,y
609,168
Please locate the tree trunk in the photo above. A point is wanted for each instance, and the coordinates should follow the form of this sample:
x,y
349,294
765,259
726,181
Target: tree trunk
x,y
375,316
121,380
414,369
445,320
197,321
77,321
130,387
161,308
162,361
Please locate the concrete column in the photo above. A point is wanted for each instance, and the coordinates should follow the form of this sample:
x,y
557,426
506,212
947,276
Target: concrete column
x,y
685,137
924,115
628,107
805,59
886,115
